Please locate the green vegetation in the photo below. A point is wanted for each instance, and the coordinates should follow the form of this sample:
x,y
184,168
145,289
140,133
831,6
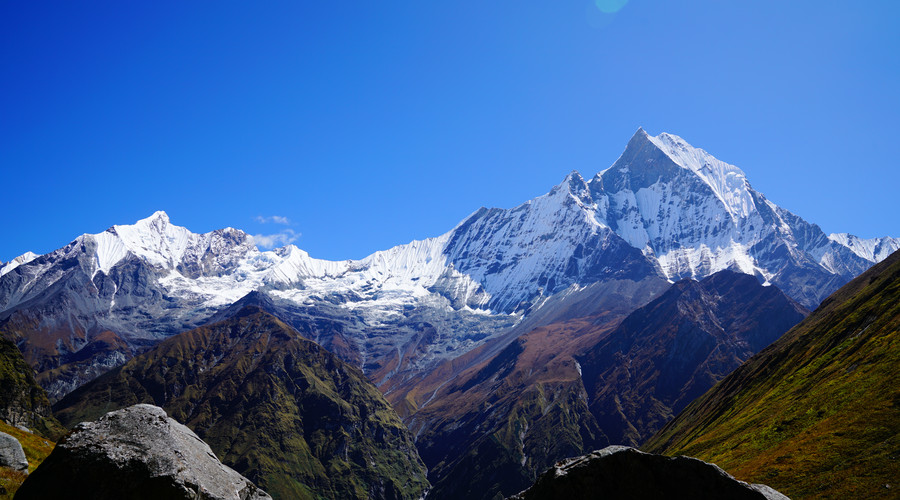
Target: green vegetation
x,y
36,450
22,400
816,415
277,408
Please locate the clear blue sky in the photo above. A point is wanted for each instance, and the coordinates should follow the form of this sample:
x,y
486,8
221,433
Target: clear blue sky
x,y
369,124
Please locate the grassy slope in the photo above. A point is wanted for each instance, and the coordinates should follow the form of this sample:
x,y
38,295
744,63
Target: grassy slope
x,y
817,414
20,394
36,450
277,408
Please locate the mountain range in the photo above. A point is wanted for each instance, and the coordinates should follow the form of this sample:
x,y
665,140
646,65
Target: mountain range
x,y
587,316
663,209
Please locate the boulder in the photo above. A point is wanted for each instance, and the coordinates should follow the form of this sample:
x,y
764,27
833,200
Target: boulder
x,y
138,453
621,472
11,453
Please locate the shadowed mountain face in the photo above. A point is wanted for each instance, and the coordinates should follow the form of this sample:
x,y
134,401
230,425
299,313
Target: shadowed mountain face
x,y
573,386
672,350
279,409
816,414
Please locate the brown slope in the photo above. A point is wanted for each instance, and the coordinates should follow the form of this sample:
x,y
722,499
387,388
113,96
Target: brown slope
x,y
279,409
489,421
489,432
817,414
675,348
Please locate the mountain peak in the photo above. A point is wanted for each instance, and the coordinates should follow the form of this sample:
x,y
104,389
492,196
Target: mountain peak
x,y
728,182
25,258
159,219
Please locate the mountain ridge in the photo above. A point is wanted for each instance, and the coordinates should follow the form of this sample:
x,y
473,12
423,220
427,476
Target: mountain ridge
x,y
664,208
816,413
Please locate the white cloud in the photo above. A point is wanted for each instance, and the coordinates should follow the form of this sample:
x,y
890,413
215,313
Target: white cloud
x,y
281,239
274,219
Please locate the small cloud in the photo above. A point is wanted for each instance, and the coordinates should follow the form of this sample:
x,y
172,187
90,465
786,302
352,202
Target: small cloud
x,y
281,239
273,219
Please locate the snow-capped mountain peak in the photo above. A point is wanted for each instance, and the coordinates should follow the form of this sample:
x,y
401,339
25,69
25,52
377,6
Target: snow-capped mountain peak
x,y
871,249
728,182
153,239
18,261
663,209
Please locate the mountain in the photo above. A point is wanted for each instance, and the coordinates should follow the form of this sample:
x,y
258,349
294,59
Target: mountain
x,y
279,409
514,408
667,353
817,414
615,376
23,403
663,209
25,258
696,215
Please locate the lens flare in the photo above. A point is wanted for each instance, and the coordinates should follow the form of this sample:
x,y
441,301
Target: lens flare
x,y
610,6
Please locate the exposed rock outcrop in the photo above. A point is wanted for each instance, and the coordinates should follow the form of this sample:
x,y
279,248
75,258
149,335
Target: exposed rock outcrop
x,y
621,472
138,453
11,453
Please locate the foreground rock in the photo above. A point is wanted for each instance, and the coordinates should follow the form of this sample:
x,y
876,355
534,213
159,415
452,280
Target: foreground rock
x,y
11,453
137,453
620,472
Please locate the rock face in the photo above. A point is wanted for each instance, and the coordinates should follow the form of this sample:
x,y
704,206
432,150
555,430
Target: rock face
x,y
11,453
620,472
280,409
139,453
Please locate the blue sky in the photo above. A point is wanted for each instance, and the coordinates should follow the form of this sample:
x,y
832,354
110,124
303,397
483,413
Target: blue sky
x,y
369,124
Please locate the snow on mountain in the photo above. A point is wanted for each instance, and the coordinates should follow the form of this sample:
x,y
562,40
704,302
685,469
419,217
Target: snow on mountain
x,y
25,258
664,208
691,212
696,215
871,249
541,247
727,181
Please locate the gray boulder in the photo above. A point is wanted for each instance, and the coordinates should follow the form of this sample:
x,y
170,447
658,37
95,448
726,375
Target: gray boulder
x,y
136,453
11,453
621,472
